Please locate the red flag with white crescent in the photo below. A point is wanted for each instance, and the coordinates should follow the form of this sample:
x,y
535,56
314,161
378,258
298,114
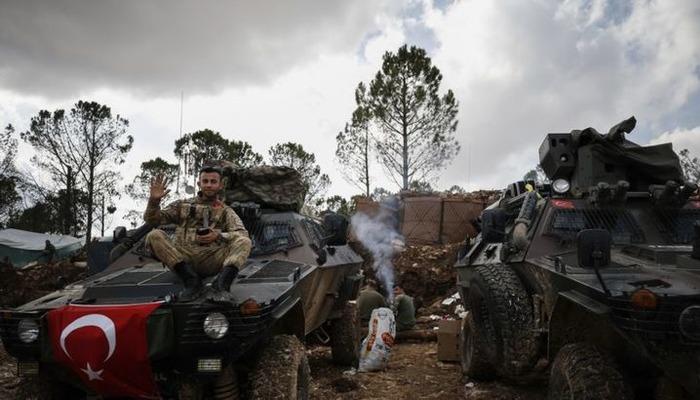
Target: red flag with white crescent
x,y
106,346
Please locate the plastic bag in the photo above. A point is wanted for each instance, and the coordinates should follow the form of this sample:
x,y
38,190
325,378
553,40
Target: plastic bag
x,y
376,347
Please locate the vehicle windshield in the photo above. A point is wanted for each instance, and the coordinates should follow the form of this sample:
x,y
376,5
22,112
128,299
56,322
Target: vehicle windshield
x,y
627,225
272,236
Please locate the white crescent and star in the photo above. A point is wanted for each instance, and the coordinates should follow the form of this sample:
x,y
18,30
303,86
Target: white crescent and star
x,y
100,321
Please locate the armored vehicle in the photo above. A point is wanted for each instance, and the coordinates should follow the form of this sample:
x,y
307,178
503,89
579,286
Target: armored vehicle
x,y
134,338
597,273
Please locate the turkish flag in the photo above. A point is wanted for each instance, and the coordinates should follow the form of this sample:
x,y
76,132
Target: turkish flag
x,y
106,346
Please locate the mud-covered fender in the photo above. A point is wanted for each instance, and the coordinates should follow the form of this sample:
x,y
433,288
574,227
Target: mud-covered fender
x,y
579,318
289,318
481,254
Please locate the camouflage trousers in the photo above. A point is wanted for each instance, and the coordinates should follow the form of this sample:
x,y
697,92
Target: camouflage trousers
x,y
207,260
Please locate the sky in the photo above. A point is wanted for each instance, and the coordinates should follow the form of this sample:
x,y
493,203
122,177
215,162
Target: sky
x,y
276,71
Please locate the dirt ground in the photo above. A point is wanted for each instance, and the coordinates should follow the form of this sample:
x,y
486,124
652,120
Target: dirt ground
x,y
413,373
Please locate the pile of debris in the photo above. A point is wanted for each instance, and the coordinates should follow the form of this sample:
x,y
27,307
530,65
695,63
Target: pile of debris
x,y
426,272
26,284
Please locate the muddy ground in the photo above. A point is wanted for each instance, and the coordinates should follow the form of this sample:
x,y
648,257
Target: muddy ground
x,y
413,373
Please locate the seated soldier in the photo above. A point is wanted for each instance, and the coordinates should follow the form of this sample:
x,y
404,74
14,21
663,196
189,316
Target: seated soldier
x,y
404,309
369,299
209,239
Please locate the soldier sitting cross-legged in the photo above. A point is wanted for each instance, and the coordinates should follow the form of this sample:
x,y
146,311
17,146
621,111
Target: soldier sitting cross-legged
x,y
209,239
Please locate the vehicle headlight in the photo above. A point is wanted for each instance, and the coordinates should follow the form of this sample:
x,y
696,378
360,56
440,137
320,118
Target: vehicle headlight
x,y
689,322
215,325
28,330
561,186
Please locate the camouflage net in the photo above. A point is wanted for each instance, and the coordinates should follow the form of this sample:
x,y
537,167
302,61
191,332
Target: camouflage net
x,y
279,188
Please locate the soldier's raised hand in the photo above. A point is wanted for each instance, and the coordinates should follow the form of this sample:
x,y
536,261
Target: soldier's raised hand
x,y
159,187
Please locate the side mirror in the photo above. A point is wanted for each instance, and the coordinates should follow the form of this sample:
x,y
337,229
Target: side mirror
x,y
696,240
119,234
594,248
493,225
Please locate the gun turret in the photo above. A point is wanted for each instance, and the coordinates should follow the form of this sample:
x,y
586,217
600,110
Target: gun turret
x,y
587,158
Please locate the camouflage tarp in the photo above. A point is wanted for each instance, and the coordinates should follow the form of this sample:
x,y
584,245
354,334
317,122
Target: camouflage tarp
x,y
279,188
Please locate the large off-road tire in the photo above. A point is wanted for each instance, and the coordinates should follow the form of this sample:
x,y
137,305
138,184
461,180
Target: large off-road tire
x,y
502,314
473,357
282,371
345,336
581,372
225,387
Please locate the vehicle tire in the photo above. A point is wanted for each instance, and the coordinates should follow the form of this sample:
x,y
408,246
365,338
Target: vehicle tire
x,y
473,357
345,336
582,372
282,371
502,314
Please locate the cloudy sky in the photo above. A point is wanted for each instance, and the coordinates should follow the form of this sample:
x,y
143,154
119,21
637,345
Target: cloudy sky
x,y
274,71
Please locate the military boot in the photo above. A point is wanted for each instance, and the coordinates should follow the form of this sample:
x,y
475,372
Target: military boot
x,y
190,279
225,278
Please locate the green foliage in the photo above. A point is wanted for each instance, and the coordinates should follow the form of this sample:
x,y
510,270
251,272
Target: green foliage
x,y
354,144
138,189
421,186
380,193
456,189
337,204
48,215
205,145
690,165
293,155
81,150
416,124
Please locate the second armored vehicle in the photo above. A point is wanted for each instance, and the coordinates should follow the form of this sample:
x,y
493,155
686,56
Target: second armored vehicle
x,y
597,272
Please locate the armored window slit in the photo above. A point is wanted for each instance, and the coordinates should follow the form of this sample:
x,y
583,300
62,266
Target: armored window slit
x,y
676,225
567,223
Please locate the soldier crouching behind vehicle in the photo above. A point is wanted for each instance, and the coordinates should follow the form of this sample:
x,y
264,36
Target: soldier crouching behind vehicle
x,y
209,239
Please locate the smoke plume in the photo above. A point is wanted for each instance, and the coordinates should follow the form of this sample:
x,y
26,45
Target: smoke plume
x,y
379,235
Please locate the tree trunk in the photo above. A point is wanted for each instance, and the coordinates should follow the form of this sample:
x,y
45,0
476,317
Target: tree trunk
x,y
367,162
91,187
68,204
404,135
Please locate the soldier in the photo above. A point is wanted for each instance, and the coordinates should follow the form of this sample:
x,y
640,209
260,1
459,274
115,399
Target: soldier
x,y
369,299
210,238
404,309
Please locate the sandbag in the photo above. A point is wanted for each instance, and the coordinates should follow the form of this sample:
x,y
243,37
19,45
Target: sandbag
x,y
278,188
376,347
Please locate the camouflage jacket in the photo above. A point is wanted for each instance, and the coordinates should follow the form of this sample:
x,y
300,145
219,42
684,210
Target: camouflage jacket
x,y
189,215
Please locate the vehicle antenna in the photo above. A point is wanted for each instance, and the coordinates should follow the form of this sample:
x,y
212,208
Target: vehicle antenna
x,y
179,159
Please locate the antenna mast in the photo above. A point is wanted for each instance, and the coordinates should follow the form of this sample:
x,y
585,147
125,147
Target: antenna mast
x,y
179,161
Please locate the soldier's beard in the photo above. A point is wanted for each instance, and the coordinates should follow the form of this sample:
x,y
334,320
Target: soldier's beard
x,y
209,194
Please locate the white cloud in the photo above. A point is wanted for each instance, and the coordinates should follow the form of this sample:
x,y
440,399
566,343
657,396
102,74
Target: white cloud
x,y
681,139
523,69
518,69
58,47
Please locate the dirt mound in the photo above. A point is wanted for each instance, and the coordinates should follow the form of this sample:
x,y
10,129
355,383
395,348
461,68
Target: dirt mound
x,y
426,272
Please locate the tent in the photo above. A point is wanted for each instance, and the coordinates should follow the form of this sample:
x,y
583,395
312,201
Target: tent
x,y
23,247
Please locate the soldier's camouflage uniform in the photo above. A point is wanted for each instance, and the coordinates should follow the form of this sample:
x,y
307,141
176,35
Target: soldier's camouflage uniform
x,y
232,248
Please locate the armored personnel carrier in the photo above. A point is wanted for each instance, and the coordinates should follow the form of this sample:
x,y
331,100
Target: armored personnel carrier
x,y
123,332
598,273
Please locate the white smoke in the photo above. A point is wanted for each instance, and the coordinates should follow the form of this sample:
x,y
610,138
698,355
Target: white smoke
x,y
378,234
